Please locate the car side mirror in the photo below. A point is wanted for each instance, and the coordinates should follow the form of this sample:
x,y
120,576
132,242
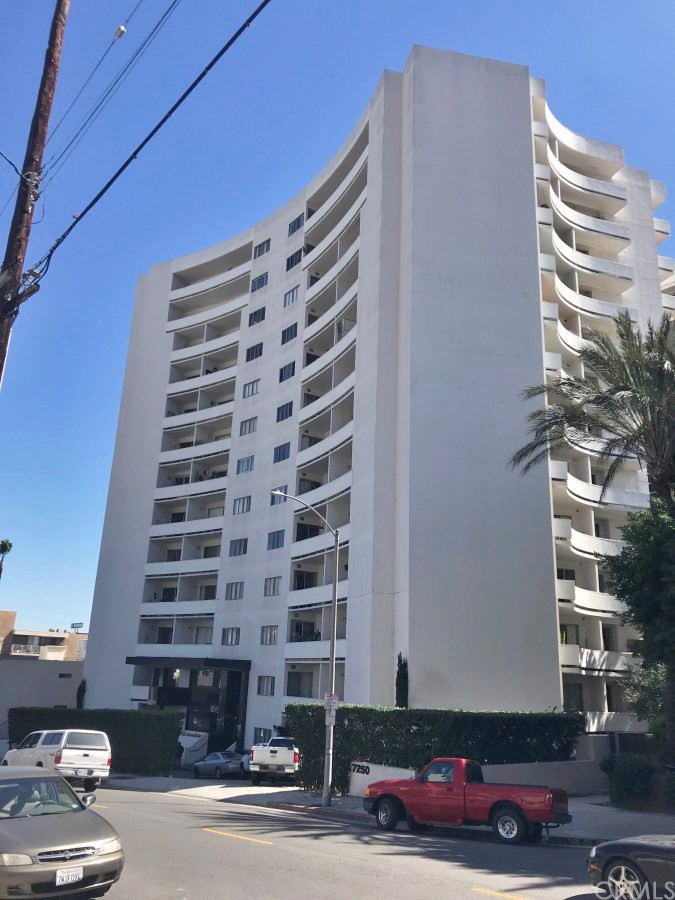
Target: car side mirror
x,y
88,799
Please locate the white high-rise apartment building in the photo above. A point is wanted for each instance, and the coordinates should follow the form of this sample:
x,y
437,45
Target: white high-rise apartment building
x,y
365,347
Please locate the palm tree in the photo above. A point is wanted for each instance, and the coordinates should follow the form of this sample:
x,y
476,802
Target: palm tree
x,y
624,404
5,547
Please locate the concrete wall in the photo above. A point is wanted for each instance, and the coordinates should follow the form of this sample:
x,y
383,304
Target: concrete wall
x,y
35,682
482,611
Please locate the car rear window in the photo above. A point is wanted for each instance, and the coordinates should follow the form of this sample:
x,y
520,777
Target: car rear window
x,y
474,773
282,742
82,740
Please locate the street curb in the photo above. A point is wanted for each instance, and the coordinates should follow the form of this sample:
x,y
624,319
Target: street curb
x,y
322,812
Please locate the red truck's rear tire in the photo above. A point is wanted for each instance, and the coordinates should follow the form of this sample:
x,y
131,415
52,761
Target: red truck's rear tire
x,y
387,814
509,825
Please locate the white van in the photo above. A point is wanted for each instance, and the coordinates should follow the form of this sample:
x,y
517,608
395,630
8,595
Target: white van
x,y
77,754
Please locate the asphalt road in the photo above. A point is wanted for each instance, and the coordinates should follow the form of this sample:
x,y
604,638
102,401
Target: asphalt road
x,y
193,849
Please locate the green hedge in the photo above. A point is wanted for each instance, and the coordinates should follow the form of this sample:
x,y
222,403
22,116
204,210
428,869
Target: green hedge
x,y
143,742
631,779
409,737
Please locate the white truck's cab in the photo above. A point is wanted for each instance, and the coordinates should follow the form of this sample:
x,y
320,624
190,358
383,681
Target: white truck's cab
x,y
278,758
77,754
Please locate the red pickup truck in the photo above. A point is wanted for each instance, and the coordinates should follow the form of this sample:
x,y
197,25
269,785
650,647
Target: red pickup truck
x,y
451,791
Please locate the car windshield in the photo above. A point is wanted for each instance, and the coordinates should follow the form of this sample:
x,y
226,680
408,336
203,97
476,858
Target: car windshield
x,y
23,797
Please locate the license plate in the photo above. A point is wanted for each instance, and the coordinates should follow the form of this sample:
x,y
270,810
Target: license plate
x,y
278,768
69,876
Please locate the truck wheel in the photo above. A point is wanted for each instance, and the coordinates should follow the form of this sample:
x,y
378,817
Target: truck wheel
x,y
195,771
255,778
89,785
509,825
387,814
535,834
5,763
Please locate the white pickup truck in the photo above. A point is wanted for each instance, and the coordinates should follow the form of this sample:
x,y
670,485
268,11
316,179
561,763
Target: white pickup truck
x,y
77,754
278,758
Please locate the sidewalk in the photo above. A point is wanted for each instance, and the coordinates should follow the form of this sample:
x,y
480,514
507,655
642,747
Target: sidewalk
x,y
593,819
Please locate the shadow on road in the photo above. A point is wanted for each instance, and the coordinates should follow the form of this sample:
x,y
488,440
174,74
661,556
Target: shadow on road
x,y
521,868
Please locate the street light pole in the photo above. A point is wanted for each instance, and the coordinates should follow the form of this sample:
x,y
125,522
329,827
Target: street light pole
x,y
330,714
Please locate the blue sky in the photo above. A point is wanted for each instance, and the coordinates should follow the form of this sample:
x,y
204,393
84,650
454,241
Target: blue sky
x,y
264,121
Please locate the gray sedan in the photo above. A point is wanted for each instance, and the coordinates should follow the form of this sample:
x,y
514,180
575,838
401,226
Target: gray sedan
x,y
51,844
218,765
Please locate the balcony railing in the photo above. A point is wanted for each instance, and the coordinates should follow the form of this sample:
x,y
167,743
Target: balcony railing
x,y
25,650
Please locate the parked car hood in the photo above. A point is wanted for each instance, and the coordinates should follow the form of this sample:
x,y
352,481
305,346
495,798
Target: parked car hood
x,y
35,834
662,840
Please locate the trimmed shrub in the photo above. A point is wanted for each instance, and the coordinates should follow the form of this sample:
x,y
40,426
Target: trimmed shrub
x,y
409,737
143,742
669,791
608,764
632,780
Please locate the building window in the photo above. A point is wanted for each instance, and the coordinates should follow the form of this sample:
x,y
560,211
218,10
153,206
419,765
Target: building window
x,y
275,499
70,675
211,551
164,634
569,634
258,315
254,352
291,296
573,697
207,592
245,464
266,685
289,333
261,249
296,224
168,594
173,555
565,574
230,637
268,634
273,586
239,547
251,388
262,735
204,634
234,590
293,260
285,411
275,539
258,282
248,426
241,505
214,512
286,372
283,451
177,517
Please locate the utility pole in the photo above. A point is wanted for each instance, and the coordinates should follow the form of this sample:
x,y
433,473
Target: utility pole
x,y
29,183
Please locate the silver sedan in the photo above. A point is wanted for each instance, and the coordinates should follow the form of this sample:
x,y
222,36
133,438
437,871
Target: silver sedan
x,y
218,765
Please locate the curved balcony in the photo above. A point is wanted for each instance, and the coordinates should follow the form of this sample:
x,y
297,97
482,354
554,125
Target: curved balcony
x,y
615,721
199,415
316,596
331,314
319,544
661,230
585,182
322,448
211,284
596,603
336,232
597,662
221,343
183,567
590,547
329,491
594,265
194,526
570,340
313,650
600,154
194,488
611,235
666,267
202,381
328,204
350,253
328,399
206,315
569,655
590,494
668,301
330,356
589,306
195,452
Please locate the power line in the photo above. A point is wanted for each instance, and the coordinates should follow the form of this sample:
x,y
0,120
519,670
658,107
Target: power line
x,y
7,159
104,98
43,264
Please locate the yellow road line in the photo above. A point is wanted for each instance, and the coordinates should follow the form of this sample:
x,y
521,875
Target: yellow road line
x,y
496,894
99,805
239,837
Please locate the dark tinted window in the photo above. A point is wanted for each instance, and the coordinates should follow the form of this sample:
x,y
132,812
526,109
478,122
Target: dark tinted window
x,y
474,773
282,742
30,741
77,739
53,737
